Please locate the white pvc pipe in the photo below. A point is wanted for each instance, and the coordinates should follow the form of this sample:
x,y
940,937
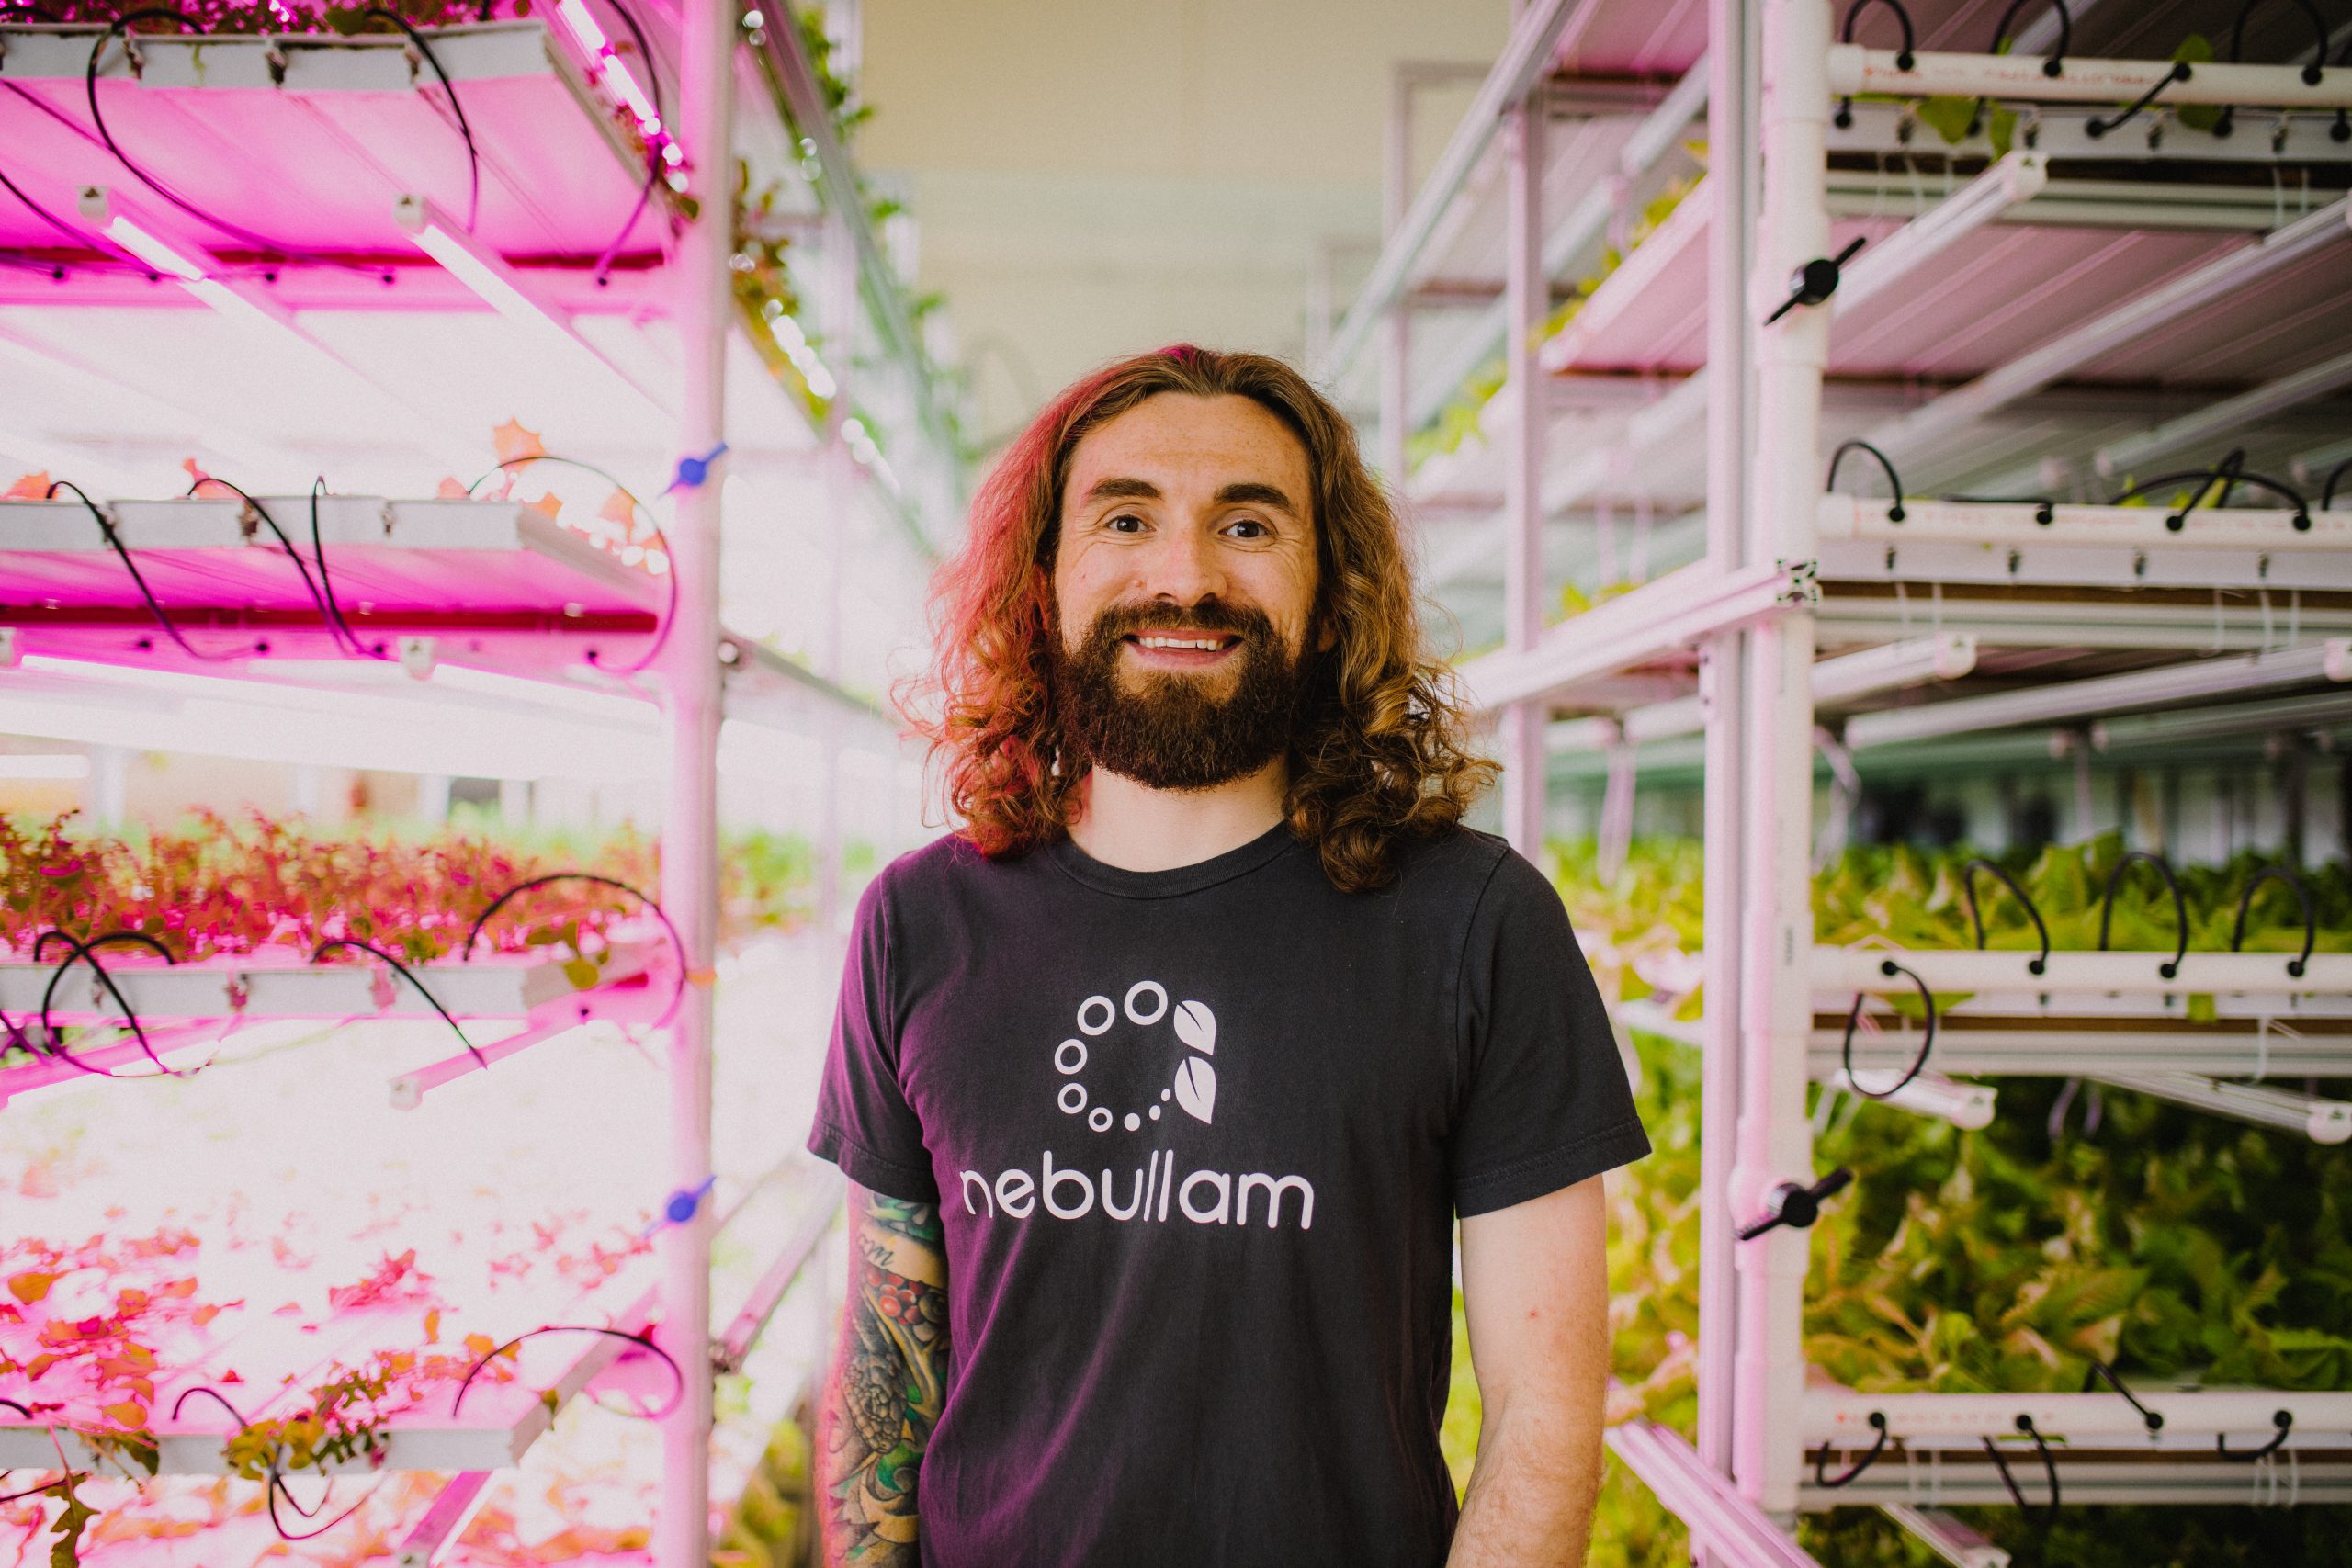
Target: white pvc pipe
x,y
2193,1418
1774,1138
692,702
1528,295
1854,70
1842,971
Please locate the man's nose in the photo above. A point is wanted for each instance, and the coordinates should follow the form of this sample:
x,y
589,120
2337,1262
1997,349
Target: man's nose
x,y
1184,568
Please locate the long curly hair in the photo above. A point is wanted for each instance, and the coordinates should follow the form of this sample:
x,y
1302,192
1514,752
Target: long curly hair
x,y
1381,750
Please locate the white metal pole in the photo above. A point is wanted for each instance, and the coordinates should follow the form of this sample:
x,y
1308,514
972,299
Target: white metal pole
x,y
1396,323
1730,114
1774,1140
690,830
1525,755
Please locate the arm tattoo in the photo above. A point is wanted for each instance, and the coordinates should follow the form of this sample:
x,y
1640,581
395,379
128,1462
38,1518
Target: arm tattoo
x,y
888,1382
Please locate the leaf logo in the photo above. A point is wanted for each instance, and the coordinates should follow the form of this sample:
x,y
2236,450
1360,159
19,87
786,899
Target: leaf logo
x,y
1146,1004
1196,1027
1197,1087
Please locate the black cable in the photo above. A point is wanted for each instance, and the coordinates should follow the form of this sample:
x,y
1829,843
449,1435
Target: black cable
x,y
154,606
402,970
1821,1476
644,196
652,149
2098,1370
2055,66
2228,121
1968,891
98,120
473,158
2096,128
2180,906
2045,510
2218,480
2295,966
1894,512
43,213
1903,58
87,953
676,942
667,1360
1854,1017
2327,491
319,559
324,601
2283,1420
668,609
273,1485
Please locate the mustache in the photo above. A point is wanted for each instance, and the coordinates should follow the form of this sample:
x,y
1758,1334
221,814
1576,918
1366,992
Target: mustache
x,y
1209,615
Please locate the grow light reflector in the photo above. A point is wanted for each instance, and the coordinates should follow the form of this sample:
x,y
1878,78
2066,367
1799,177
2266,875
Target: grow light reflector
x,y
491,281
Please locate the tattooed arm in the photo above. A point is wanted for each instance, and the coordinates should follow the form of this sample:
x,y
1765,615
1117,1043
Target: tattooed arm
x,y
1535,1288
888,1381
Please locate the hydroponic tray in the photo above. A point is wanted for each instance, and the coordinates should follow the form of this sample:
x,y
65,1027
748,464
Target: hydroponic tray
x,y
309,139
279,984
466,571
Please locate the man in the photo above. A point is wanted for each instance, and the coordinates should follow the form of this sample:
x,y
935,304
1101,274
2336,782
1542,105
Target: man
x,y
1160,1084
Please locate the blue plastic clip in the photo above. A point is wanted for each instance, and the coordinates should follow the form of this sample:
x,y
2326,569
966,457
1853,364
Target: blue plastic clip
x,y
692,471
681,1205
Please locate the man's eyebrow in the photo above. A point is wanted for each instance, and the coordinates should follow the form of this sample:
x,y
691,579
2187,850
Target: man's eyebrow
x,y
1248,491
1120,488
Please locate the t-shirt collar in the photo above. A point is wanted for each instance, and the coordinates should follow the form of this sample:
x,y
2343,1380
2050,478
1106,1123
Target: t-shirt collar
x,y
1081,867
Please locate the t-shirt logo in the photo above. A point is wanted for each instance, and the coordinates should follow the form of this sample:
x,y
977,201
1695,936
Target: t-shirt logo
x,y
1195,1088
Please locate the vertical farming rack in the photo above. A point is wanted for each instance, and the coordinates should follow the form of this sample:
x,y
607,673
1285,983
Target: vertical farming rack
x,y
312,252
1926,385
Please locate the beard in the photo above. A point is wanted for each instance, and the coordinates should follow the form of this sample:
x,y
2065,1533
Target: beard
x,y
1169,732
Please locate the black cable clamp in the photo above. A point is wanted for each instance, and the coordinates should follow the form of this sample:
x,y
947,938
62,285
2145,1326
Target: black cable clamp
x,y
2295,966
1815,282
2284,1420
1797,1207
2169,970
1821,1476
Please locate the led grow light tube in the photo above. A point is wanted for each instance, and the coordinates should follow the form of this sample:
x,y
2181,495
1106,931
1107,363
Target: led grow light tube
x,y
496,284
1666,613
2223,418
1736,1533
791,1261
1846,678
2016,176
29,1076
409,1090
2198,679
1946,1536
453,1508
1964,1105
2321,1121
2288,713
605,66
2136,317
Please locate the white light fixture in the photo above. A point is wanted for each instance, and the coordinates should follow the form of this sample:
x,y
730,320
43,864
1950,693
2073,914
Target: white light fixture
x,y
2328,711
45,765
2146,312
2226,416
2321,1121
2190,681
1968,1106
803,353
605,66
1946,1536
2016,177
496,284
187,264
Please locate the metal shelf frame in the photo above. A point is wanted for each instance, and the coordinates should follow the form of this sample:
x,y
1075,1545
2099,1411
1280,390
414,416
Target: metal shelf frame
x,y
2245,613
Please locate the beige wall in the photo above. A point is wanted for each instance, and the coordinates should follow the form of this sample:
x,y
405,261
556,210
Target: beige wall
x,y
1094,176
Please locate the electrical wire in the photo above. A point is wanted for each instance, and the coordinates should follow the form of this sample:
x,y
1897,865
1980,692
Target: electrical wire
x,y
667,1360
653,148
337,630
273,1485
2295,966
2327,490
677,994
319,559
2284,1423
87,953
1821,1476
1968,891
473,158
2055,66
2049,1468
1894,486
123,25
2096,128
670,607
2099,1370
402,970
154,606
2180,906
1854,1018
2218,480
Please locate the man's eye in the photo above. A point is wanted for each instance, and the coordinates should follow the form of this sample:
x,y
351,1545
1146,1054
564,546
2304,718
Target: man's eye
x,y
1251,528
1124,523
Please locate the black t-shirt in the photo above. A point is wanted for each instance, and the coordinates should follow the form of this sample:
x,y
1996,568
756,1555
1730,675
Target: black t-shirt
x,y
1197,1139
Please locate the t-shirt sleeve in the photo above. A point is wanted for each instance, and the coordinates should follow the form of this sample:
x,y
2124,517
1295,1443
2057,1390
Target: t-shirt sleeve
x,y
864,1123
1546,1103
